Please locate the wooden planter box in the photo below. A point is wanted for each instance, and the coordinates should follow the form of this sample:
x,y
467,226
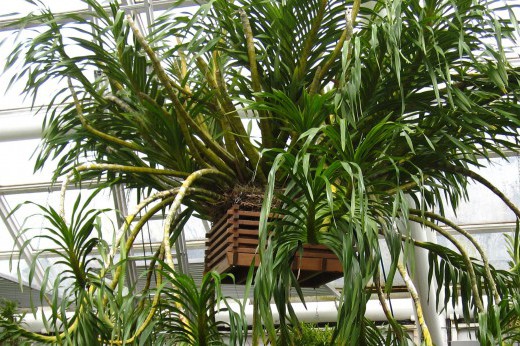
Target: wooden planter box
x,y
233,241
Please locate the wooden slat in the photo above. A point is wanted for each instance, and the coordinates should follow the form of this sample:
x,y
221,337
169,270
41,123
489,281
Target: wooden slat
x,y
218,251
219,238
221,222
251,223
247,213
232,246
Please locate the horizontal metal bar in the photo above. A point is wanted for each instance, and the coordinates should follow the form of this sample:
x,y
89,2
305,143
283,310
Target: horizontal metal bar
x,y
481,228
43,187
160,5
190,245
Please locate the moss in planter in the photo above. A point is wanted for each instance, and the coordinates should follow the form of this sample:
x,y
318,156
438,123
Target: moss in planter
x,y
249,197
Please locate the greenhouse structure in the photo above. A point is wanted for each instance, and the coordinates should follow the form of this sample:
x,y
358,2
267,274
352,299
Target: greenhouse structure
x,y
260,172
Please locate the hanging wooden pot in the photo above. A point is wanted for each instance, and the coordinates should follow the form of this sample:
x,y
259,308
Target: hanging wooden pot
x,y
232,244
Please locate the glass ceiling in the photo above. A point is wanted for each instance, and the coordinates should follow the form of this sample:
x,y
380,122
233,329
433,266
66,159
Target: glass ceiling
x,y
19,8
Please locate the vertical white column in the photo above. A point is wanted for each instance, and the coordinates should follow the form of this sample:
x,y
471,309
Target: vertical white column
x,y
435,321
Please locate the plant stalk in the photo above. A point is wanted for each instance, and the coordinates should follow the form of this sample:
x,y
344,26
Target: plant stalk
x,y
417,303
467,260
473,241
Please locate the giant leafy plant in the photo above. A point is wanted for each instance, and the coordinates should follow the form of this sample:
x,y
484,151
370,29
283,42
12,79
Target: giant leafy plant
x,y
354,116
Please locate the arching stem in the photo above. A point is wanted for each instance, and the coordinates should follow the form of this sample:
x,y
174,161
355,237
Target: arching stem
x,y
393,323
345,36
142,221
417,302
111,167
181,111
477,177
464,254
96,132
176,206
473,241
264,122
153,308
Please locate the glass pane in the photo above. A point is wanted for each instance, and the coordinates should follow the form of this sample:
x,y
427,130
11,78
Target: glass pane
x,y
19,157
484,206
18,8
152,232
7,243
10,94
194,230
31,218
489,242
11,269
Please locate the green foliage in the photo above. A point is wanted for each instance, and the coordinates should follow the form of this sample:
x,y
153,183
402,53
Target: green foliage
x,y
507,325
9,311
189,313
10,316
366,111
311,335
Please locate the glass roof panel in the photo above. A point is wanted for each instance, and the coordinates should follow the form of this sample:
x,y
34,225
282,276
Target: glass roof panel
x,y
484,207
30,216
152,232
6,245
11,94
19,158
490,242
11,268
19,8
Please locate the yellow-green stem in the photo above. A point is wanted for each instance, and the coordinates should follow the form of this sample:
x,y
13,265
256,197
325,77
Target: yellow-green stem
x,y
264,121
142,221
405,187
163,77
310,40
111,167
229,112
417,302
122,104
94,131
223,162
345,36
473,241
176,206
153,308
135,231
467,260
393,323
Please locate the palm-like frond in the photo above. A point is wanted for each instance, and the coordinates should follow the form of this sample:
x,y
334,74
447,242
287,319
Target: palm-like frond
x,y
362,110
189,313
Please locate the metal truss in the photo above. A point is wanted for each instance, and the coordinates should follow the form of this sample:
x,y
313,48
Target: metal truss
x,y
147,6
27,254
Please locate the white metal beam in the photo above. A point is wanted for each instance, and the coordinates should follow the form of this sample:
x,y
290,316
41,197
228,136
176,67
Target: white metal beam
x,y
27,253
436,320
44,187
20,124
12,24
